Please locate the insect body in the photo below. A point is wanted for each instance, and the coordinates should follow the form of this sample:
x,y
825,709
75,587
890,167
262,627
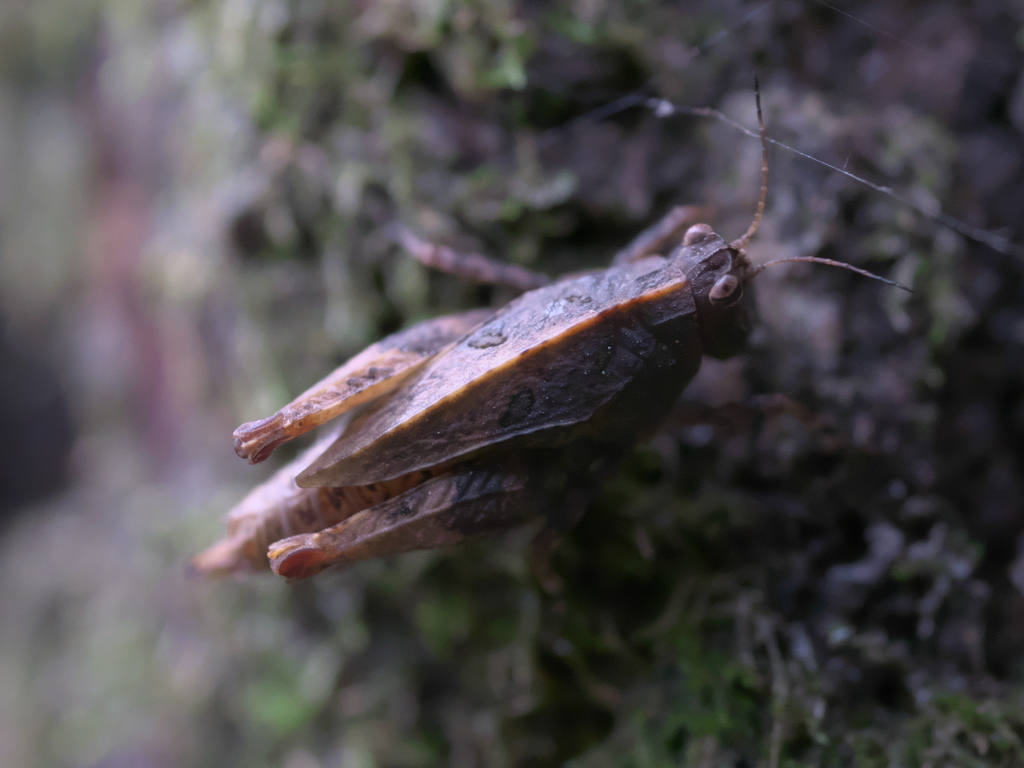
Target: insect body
x,y
461,425
480,421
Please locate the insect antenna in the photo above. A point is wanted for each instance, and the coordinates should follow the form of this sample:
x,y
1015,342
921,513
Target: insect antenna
x,y
740,244
995,241
818,260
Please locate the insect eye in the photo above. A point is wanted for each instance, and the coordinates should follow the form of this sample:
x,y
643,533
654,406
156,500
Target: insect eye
x,y
698,233
725,287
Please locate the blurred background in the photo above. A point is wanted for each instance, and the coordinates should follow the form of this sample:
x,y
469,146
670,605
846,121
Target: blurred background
x,y
193,198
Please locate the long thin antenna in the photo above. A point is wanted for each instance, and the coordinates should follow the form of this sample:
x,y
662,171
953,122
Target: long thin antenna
x,y
741,244
641,95
665,108
818,260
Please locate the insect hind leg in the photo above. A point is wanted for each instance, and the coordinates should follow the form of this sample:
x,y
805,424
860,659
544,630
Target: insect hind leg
x,y
462,504
471,266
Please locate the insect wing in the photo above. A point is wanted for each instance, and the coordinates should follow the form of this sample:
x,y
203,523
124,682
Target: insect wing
x,y
374,372
545,363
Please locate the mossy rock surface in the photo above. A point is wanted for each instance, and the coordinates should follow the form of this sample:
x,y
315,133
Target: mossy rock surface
x,y
759,592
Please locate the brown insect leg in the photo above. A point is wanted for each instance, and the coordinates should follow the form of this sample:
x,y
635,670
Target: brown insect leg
x,y
278,508
256,440
373,373
260,517
471,266
271,510
334,396
662,235
445,510
227,556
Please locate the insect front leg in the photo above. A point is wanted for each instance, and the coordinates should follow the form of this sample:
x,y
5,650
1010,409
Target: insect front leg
x,y
471,266
661,236
467,502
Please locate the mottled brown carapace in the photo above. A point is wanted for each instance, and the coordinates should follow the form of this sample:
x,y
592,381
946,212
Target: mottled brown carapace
x,y
478,422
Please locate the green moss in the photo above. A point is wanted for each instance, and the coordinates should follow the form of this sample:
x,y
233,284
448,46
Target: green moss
x,y
725,601
443,622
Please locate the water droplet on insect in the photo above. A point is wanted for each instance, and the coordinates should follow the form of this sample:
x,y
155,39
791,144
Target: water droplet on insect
x,y
489,336
580,298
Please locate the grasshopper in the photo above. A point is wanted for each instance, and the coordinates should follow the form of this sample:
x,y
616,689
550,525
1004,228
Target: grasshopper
x,y
478,422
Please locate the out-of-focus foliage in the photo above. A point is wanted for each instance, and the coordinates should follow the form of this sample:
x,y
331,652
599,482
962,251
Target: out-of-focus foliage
x,y
192,230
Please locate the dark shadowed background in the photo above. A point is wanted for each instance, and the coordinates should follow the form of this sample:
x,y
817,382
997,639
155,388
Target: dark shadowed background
x,y
193,198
